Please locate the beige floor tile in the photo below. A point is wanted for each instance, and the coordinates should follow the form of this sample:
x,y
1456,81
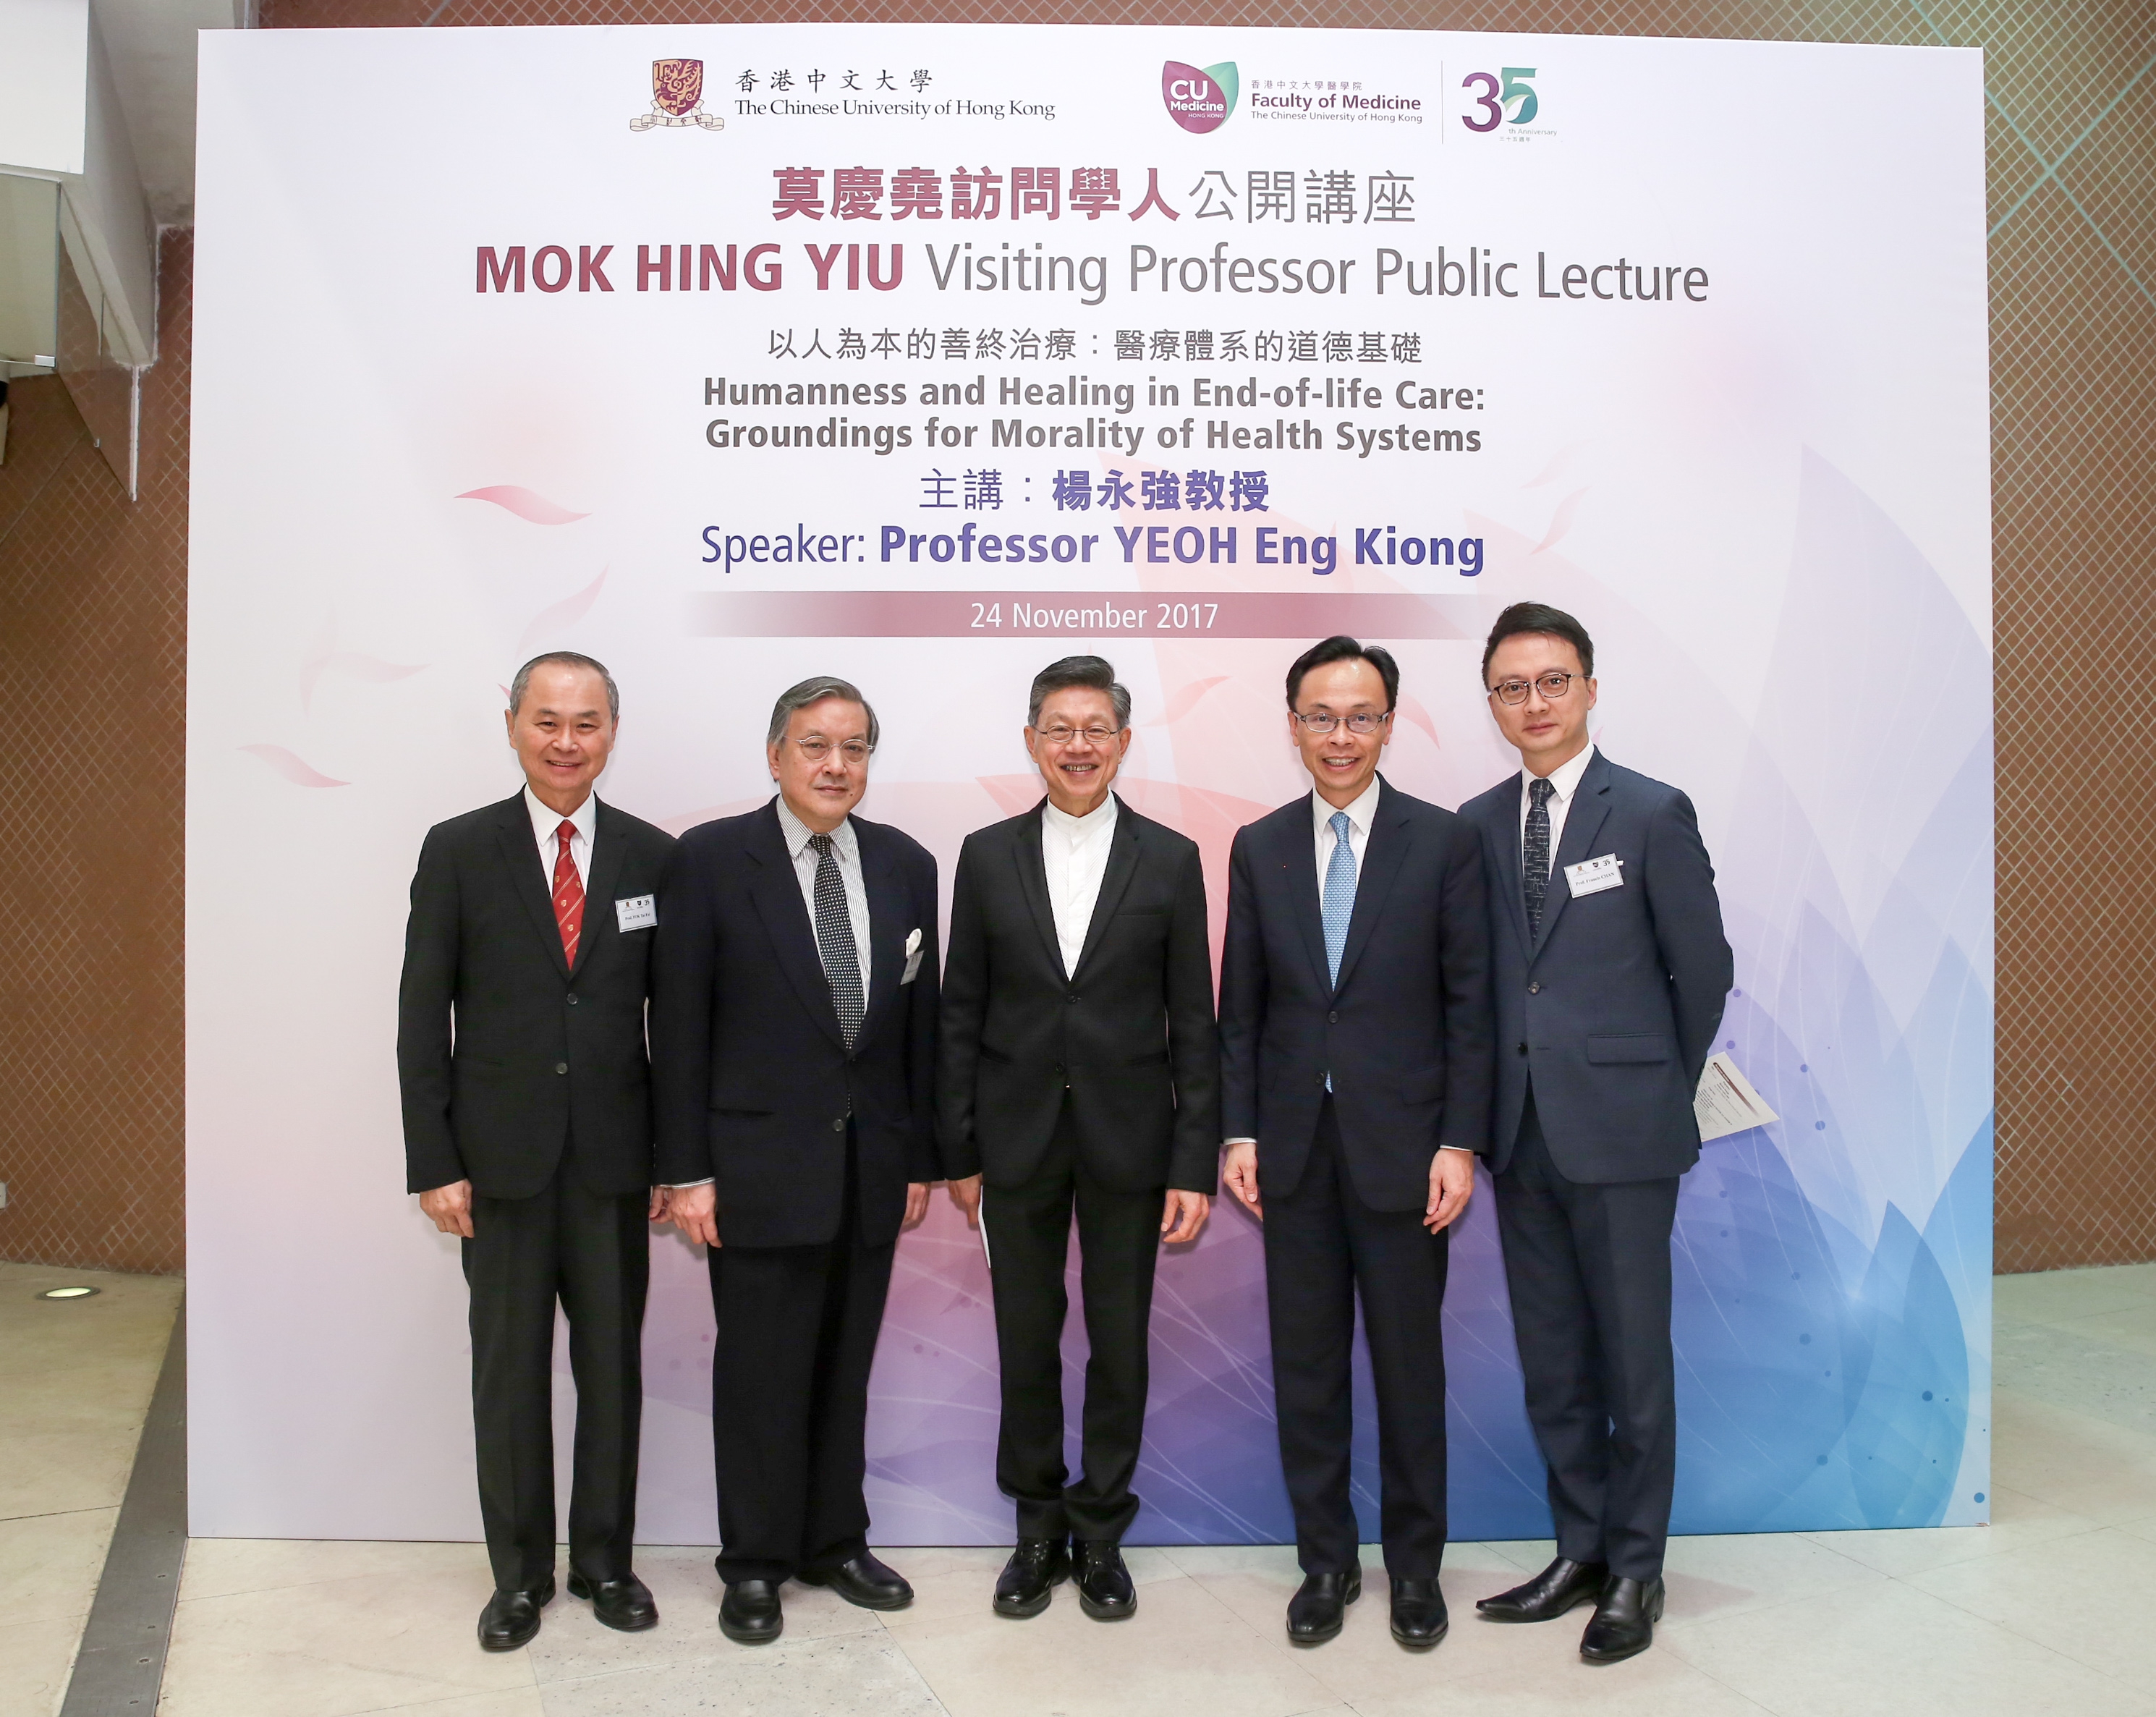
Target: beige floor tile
x,y
129,1318
50,1564
35,1659
2018,1521
2087,1597
58,1472
958,1582
507,1702
1184,1652
852,1675
1655,1684
2133,1328
1708,1577
335,1648
225,1567
2050,1295
2084,1465
1889,1650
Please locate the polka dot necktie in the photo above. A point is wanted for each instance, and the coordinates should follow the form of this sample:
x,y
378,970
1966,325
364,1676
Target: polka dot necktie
x,y
1535,854
568,893
834,942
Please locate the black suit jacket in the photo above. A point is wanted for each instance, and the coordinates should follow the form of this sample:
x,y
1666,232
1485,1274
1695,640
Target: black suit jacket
x,y
1129,1035
506,1056
1406,1036
1614,1007
753,1078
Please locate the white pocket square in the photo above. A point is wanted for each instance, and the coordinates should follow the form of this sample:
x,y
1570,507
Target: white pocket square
x,y
912,957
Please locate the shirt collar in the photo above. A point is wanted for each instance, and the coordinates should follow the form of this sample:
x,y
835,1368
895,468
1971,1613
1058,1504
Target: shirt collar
x,y
1564,779
545,819
1360,810
798,833
1075,829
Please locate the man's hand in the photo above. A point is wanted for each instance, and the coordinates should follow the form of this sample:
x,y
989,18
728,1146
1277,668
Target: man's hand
x,y
917,1204
966,1195
694,1210
1240,1175
1451,1184
449,1208
1182,1216
657,1213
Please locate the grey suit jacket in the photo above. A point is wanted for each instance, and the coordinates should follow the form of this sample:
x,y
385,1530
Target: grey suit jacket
x,y
1613,1008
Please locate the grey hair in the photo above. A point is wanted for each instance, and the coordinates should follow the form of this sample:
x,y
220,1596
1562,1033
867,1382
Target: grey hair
x,y
565,659
1093,672
815,690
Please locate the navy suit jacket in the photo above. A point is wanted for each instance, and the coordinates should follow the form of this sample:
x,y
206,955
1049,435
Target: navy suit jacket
x,y
1406,1034
751,1076
1614,1007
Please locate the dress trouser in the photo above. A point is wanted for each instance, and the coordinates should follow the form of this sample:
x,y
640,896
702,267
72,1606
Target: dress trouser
x,y
592,1252
1323,1243
1029,1242
796,1335
1588,1268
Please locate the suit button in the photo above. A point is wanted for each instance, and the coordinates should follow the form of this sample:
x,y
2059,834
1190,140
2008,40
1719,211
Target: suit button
x,y
1534,990
560,1066
572,998
1523,1049
1059,1070
838,1125
1332,1018
1072,997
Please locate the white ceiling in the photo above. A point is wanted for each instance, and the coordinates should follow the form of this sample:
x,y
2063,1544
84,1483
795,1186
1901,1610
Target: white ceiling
x,y
151,46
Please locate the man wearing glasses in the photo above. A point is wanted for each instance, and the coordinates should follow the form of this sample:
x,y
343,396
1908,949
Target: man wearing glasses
x,y
793,1049
1611,970
1080,1073
1355,1038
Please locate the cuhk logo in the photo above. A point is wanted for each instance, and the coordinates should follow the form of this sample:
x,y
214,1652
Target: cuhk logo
x,y
1199,100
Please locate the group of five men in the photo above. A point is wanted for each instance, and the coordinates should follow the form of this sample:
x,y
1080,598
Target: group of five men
x,y
746,1032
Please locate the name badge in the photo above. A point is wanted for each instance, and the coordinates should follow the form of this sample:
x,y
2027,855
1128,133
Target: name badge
x,y
1592,876
642,912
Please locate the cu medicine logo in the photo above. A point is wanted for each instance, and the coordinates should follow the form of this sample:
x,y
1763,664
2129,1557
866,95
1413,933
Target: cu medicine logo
x,y
677,97
1199,101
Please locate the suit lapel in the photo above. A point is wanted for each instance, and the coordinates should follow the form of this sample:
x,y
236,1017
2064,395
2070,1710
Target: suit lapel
x,y
1583,822
776,892
1382,857
607,845
1500,829
1299,860
527,876
887,928
1033,882
1115,879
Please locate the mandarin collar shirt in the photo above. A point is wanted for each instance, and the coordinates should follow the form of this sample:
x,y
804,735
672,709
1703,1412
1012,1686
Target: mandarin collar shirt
x,y
1073,853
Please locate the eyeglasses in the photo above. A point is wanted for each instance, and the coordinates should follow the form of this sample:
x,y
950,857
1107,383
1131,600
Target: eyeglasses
x,y
1362,722
1063,736
1552,685
853,753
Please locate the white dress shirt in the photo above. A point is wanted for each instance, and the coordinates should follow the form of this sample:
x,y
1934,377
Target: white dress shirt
x,y
846,850
1074,852
1564,782
545,821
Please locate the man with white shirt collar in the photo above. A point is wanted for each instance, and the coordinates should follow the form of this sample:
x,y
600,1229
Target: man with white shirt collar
x,y
1355,1039
793,1058
1079,1072
527,1132
1611,972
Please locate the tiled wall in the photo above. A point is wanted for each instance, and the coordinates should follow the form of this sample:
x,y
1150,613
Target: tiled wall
x,y
2073,160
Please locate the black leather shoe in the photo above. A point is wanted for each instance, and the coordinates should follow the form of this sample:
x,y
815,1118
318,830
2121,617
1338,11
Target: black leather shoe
x,y
1558,1589
625,1604
749,1614
1318,1611
1624,1624
1418,1617
1105,1591
1029,1579
512,1618
862,1579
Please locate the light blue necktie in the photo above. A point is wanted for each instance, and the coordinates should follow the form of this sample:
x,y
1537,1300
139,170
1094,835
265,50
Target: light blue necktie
x,y
1339,895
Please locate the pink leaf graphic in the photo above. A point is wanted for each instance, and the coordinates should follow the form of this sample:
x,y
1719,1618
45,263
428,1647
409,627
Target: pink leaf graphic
x,y
1184,701
1560,520
526,504
563,613
292,768
1421,716
323,659
1555,464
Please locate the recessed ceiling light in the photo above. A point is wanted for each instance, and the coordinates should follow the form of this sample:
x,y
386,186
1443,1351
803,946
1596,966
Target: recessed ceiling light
x,y
67,1293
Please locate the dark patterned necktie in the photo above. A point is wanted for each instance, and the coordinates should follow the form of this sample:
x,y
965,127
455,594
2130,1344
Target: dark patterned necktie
x,y
834,942
1534,855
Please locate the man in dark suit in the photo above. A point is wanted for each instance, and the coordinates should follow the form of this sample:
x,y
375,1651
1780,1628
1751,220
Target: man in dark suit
x,y
1611,972
793,1047
1080,1071
527,1132
1355,1054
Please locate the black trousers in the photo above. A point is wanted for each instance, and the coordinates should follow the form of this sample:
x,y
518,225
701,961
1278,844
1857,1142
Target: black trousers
x,y
1323,1244
1588,1268
1029,1239
592,1252
796,1336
